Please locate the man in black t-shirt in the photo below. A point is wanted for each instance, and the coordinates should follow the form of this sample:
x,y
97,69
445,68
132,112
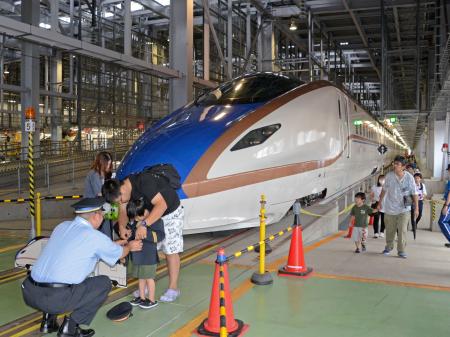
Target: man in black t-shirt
x,y
163,202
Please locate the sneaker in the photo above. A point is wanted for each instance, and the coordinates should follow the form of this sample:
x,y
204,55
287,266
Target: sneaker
x,y
147,304
381,235
376,236
170,295
136,301
402,255
363,247
357,250
137,294
386,252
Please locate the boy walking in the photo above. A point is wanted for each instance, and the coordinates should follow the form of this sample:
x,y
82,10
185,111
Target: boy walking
x,y
359,216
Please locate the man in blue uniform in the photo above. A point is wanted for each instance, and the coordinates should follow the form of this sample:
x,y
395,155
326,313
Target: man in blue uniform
x,y
59,280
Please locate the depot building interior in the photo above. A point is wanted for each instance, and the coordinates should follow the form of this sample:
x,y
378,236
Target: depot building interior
x,y
137,78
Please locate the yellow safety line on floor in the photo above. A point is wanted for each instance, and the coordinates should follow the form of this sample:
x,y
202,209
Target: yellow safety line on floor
x,y
245,286
382,281
160,270
9,248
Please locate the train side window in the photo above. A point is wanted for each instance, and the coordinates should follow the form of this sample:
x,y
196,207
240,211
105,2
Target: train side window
x,y
256,137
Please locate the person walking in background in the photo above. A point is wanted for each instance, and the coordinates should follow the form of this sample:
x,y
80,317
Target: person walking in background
x,y
421,192
101,170
396,198
378,218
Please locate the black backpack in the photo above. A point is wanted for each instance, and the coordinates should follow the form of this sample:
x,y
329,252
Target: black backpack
x,y
168,172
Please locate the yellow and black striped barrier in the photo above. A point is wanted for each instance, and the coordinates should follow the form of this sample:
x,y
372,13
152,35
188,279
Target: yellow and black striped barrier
x,y
19,200
62,197
31,182
223,311
267,240
56,197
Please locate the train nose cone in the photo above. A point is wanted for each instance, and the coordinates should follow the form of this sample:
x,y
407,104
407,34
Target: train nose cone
x,y
182,138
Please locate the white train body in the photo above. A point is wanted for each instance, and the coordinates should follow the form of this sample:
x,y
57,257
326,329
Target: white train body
x,y
320,139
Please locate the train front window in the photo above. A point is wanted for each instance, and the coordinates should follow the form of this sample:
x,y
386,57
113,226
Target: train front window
x,y
249,89
256,137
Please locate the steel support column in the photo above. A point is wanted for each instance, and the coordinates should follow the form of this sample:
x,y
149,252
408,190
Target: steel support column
x,y
268,47
310,45
383,61
230,39
206,57
260,44
54,11
127,27
30,74
181,45
56,102
418,56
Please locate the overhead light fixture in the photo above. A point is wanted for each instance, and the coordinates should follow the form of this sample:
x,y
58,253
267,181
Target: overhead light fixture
x,y
164,2
45,25
344,43
293,25
6,71
136,6
108,14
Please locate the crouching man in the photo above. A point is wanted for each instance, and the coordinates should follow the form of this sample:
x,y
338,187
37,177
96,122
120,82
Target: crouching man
x,y
59,279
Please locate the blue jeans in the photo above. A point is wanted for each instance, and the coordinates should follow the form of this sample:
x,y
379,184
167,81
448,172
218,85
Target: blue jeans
x,y
444,224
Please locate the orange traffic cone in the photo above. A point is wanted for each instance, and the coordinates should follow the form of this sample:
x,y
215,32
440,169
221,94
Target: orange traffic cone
x,y
296,266
350,230
211,325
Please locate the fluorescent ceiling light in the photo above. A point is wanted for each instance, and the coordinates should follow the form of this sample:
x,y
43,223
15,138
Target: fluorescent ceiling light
x,y
108,14
135,6
17,3
345,43
45,25
164,2
65,19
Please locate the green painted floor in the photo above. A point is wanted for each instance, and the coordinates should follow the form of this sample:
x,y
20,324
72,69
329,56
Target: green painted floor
x,y
12,305
324,307
7,260
291,307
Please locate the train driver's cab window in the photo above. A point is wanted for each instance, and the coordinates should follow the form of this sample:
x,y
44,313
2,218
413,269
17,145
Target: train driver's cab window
x,y
256,137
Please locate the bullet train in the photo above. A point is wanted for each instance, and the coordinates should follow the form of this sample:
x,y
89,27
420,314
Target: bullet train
x,y
262,133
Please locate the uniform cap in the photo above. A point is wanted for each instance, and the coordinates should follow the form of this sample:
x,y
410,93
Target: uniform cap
x,y
87,205
120,312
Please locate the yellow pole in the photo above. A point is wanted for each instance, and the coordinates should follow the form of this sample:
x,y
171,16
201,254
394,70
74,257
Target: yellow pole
x,y
38,214
262,235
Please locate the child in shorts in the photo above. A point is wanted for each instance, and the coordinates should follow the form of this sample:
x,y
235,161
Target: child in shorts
x,y
360,217
144,262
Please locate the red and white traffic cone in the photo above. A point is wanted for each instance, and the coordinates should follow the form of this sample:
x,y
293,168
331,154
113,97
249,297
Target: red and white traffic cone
x,y
296,266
